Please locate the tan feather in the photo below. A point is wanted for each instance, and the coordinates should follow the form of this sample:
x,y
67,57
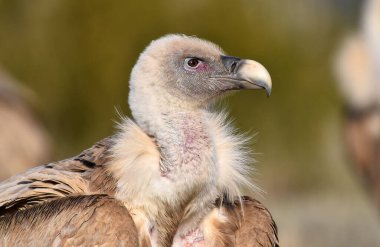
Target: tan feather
x,y
78,175
70,221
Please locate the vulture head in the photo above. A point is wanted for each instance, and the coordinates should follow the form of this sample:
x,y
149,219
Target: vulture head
x,y
185,72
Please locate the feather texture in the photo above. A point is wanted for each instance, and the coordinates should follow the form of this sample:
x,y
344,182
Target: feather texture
x,y
177,169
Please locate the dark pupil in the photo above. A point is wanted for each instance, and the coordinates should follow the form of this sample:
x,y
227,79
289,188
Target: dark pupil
x,y
193,62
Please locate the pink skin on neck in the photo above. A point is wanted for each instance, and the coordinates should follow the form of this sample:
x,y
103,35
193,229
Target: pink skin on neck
x,y
193,239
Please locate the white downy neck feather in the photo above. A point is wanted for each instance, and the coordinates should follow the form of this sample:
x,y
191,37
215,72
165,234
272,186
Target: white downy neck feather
x,y
137,160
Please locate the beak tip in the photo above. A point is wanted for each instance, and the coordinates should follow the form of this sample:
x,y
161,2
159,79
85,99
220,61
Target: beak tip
x,y
268,89
268,93
256,74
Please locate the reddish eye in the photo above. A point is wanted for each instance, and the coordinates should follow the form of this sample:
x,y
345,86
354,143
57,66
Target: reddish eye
x,y
193,62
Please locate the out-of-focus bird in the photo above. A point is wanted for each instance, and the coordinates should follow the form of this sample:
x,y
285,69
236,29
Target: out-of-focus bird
x,y
170,177
23,141
358,68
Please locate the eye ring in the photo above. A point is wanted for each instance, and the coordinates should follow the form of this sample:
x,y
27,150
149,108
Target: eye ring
x,y
192,62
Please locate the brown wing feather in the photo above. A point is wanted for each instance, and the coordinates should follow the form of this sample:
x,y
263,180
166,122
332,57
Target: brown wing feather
x,y
74,176
248,224
257,226
94,220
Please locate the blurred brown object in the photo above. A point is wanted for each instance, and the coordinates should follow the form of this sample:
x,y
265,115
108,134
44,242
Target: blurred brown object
x,y
362,136
23,141
358,68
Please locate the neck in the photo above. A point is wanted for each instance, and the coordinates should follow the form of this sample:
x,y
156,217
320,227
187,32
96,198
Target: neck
x,y
181,133
183,140
187,160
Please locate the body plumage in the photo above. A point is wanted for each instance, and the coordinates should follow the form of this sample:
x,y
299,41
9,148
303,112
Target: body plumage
x,y
177,168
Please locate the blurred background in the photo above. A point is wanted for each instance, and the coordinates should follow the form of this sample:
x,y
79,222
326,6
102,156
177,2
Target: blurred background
x,y
65,66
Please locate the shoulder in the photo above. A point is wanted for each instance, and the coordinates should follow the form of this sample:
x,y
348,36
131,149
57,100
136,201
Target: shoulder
x,y
54,180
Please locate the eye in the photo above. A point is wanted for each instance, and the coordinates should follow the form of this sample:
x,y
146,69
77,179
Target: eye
x,y
192,62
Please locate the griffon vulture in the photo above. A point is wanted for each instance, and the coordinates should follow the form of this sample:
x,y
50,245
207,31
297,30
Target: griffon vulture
x,y
170,177
358,68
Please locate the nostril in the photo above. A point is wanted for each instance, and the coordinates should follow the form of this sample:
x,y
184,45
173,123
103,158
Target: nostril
x,y
233,66
230,63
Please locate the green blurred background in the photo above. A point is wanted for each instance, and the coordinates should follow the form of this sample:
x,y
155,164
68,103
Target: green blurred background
x,y
76,56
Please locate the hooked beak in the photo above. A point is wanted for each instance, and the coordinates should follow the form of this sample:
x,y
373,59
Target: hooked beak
x,y
247,74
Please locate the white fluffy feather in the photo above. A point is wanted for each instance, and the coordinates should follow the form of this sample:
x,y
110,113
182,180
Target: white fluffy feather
x,y
234,157
136,161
